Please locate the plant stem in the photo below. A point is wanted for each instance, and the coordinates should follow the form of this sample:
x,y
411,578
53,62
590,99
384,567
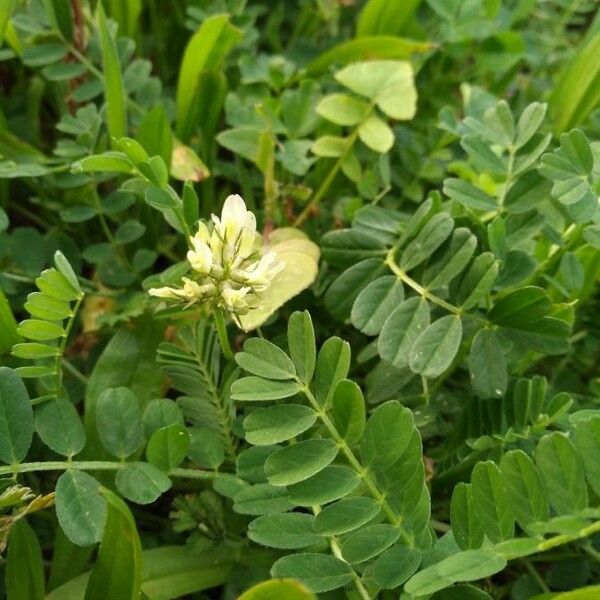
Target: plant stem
x,y
94,465
63,346
410,282
318,195
363,472
69,366
538,578
222,333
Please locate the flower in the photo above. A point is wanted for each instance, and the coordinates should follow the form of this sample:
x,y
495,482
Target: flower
x,y
234,299
234,233
260,274
191,291
228,267
201,257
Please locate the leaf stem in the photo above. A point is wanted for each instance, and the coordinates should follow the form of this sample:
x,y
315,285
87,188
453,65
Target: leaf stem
x,y
63,346
94,465
222,333
318,195
393,517
417,287
536,576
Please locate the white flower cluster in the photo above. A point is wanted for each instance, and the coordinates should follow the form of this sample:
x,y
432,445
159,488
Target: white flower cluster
x,y
229,266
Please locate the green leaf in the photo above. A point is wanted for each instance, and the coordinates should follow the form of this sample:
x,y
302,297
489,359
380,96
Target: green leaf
x,y
262,499
206,447
119,421
454,260
346,515
466,524
129,231
160,199
436,347
24,564
388,83
402,329
329,146
529,396
365,48
385,16
117,572
298,109
561,473
491,502
66,270
468,195
114,90
587,442
205,51
127,15
80,507
253,389
169,572
527,192
333,364
301,342
59,426
275,589
342,293
278,423
387,435
108,162
191,204
16,418
529,122
376,134
155,135
35,372
342,109
469,565
547,335
300,461
45,307
375,303
287,531
487,365
168,447
521,307
368,542
478,280
482,156
348,411
55,284
142,483
396,565
345,247
8,326
524,488
34,350
428,240
128,360
34,329
318,572
160,413
265,359
250,463
43,54
332,483
577,90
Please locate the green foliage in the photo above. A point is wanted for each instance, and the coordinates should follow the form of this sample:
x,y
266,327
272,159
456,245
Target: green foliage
x,y
408,408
